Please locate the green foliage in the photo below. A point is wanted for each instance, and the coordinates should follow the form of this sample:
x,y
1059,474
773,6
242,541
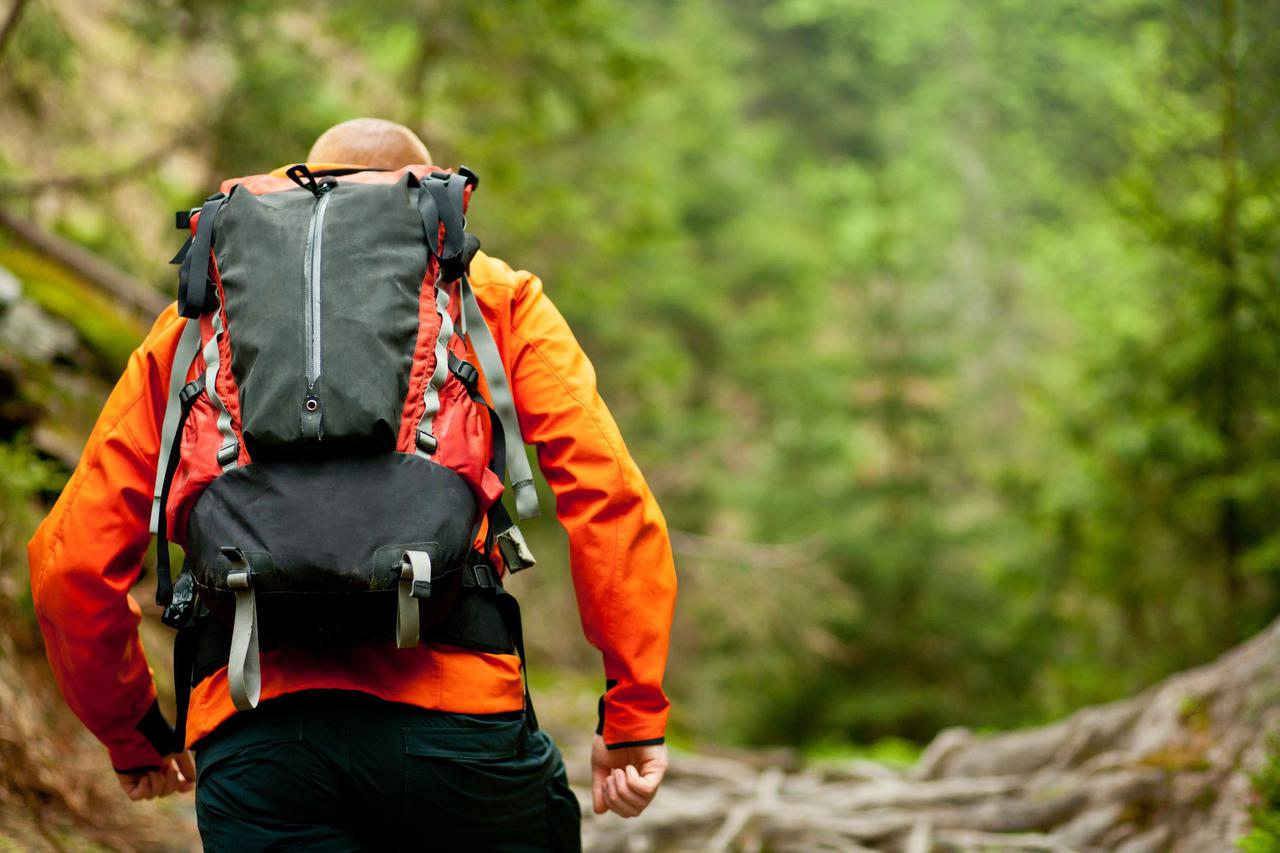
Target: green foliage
x,y
1264,837
24,477
892,751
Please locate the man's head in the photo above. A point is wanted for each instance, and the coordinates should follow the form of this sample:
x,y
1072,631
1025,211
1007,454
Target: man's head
x,y
371,142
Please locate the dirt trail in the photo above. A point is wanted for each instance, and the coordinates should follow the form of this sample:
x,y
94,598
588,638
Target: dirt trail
x,y
1164,771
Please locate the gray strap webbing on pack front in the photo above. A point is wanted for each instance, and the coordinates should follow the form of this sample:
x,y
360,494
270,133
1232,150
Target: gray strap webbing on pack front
x,y
244,672
188,349
229,450
426,439
415,584
518,469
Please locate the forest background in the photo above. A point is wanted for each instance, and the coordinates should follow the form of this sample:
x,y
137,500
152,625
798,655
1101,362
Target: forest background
x,y
945,332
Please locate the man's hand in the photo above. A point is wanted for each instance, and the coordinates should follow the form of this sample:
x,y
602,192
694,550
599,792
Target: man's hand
x,y
624,780
177,774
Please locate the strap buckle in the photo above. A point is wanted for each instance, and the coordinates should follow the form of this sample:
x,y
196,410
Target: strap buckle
x,y
241,575
426,442
415,585
180,610
465,371
515,550
228,453
483,576
244,671
419,586
190,391
451,269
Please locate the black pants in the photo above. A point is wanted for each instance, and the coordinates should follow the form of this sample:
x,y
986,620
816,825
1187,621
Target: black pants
x,y
334,770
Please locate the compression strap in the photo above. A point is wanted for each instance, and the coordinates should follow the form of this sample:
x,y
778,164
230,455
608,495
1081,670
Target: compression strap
x,y
414,587
244,669
518,468
183,357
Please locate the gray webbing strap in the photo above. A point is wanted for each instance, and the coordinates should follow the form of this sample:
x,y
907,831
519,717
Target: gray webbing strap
x,y
188,349
230,447
431,396
415,583
504,404
244,672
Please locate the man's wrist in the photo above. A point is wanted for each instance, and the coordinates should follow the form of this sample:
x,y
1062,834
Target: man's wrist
x,y
628,744
138,771
143,747
632,716
156,729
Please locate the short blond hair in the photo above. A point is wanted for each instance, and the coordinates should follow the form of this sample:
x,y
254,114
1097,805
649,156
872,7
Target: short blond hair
x,y
373,142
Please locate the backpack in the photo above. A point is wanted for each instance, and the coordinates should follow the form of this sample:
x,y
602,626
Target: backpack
x,y
334,473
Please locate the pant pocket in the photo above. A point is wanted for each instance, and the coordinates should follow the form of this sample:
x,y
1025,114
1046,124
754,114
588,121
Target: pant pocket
x,y
564,814
243,736
256,782
487,784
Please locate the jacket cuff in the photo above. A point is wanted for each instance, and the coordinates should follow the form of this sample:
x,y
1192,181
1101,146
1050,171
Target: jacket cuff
x,y
632,715
145,746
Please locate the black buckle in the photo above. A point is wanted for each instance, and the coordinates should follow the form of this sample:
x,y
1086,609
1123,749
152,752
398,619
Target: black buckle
x,y
451,269
473,180
180,610
466,373
426,442
190,391
182,220
483,576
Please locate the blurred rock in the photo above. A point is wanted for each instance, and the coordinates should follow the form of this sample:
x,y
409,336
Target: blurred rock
x,y
10,288
32,334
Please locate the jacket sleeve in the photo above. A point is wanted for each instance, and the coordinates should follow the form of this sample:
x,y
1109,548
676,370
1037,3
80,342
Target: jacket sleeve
x,y
87,554
619,551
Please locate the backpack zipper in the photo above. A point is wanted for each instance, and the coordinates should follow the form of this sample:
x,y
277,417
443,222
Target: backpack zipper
x,y
311,271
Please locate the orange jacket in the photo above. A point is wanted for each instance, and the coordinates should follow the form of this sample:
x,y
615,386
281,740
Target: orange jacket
x,y
87,553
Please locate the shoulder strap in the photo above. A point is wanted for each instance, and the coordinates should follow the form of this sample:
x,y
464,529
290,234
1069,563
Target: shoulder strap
x,y
440,202
183,356
193,274
518,468
164,577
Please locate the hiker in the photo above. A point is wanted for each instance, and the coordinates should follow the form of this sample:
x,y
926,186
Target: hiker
x,y
312,406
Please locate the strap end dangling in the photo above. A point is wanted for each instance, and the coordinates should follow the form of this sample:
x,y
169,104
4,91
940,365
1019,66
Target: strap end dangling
x,y
244,672
515,550
414,586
